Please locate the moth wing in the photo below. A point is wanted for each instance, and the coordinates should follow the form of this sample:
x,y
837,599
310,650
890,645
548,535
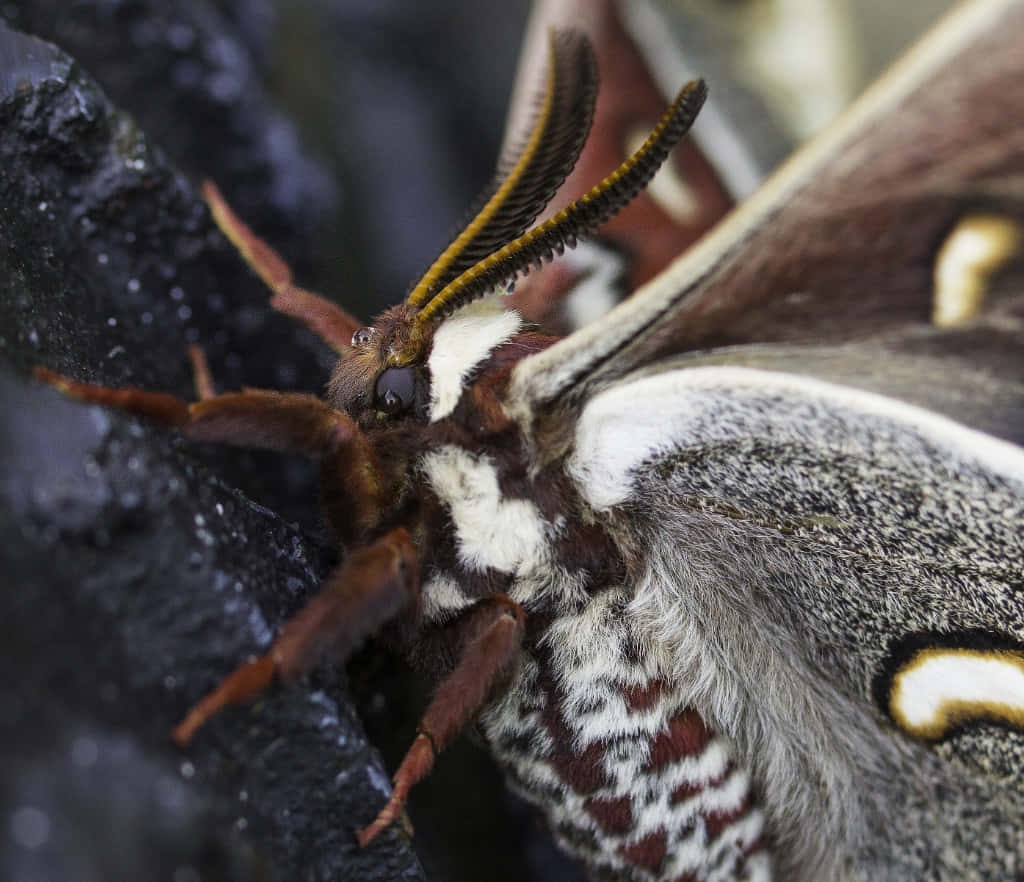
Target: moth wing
x,y
843,242
802,433
836,574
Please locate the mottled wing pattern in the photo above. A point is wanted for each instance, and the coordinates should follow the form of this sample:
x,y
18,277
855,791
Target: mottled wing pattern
x,y
843,242
839,575
823,513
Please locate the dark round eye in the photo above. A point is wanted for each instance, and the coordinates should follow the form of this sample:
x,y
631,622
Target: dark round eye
x,y
395,390
362,336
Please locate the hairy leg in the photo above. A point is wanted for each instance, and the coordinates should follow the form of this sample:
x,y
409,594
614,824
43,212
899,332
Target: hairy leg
x,y
287,422
373,586
323,317
491,634
283,421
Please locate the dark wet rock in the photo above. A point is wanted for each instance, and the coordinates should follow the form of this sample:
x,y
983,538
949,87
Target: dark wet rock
x,y
150,815
111,266
192,77
392,100
133,577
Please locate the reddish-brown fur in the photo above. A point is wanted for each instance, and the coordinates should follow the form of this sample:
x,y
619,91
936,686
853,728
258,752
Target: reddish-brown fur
x,y
351,386
369,486
614,815
368,437
648,853
686,736
639,698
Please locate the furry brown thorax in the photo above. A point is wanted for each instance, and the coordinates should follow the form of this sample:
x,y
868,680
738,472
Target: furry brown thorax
x,y
486,525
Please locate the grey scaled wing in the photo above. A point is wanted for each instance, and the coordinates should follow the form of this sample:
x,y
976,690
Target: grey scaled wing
x,y
838,575
805,435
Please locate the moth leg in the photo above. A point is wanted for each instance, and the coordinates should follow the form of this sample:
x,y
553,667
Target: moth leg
x,y
492,634
288,422
373,586
201,376
284,421
324,318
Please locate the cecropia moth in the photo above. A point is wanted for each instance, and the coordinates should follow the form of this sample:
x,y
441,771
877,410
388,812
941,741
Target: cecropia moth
x,y
729,579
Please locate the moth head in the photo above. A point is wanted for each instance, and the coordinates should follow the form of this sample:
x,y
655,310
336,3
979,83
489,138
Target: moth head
x,y
384,375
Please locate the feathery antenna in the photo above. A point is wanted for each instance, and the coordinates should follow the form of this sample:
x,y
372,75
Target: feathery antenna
x,y
524,186
576,220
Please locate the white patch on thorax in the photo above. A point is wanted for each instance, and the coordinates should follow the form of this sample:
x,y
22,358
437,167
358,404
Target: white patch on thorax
x,y
460,344
443,598
508,535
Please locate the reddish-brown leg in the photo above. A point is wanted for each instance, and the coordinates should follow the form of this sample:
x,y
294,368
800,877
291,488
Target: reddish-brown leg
x,y
491,633
283,421
370,588
201,376
324,318
286,422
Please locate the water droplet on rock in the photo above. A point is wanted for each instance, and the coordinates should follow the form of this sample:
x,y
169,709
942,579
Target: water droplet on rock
x,y
84,752
29,827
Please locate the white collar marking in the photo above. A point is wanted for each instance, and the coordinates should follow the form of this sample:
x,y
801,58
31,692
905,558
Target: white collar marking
x,y
460,344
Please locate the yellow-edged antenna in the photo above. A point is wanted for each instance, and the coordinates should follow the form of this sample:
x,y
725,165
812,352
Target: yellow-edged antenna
x,y
580,218
523,189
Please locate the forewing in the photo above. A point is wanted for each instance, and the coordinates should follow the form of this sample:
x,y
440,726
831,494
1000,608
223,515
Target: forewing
x,y
805,436
842,243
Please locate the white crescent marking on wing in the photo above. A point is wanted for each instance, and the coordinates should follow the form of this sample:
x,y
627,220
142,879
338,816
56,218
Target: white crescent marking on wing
x,y
633,422
939,688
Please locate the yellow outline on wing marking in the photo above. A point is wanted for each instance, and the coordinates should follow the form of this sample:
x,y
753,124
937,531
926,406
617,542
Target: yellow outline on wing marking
x,y
979,246
939,689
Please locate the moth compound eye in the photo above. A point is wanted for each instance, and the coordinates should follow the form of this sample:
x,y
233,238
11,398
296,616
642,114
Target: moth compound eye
x,y
362,336
395,390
